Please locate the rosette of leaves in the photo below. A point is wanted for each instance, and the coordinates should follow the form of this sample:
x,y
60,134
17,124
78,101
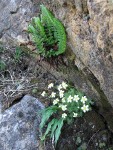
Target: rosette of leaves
x,y
48,34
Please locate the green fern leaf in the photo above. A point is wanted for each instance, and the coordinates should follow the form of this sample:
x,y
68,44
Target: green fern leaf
x,y
50,33
54,127
48,129
31,29
56,26
60,36
46,15
40,27
46,114
58,130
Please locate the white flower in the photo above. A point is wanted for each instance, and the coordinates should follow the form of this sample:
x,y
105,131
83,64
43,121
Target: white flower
x,y
59,87
64,115
53,94
64,107
85,108
60,105
61,93
63,100
76,98
55,101
69,99
83,99
64,85
75,115
50,85
43,93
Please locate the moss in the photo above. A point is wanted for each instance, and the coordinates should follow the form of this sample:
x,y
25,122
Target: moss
x,y
72,58
34,81
70,55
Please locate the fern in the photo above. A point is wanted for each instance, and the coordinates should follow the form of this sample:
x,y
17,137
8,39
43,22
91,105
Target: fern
x,y
48,34
54,126
39,27
46,16
48,129
58,130
46,114
38,40
60,36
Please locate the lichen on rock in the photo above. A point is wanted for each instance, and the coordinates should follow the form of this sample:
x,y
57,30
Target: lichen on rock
x,y
19,125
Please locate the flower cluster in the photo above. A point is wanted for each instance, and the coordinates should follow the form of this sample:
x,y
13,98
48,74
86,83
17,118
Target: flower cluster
x,y
68,101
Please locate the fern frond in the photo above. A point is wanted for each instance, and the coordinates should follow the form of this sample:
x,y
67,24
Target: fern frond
x,y
46,15
39,44
37,39
46,114
47,20
60,36
54,127
31,29
50,36
50,33
40,27
56,26
58,130
48,129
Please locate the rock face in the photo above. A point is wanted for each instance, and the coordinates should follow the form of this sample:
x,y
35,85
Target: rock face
x,y
14,18
90,34
90,37
19,125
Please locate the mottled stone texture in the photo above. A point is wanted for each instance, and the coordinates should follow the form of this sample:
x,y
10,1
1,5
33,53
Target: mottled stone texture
x,y
14,18
89,26
19,125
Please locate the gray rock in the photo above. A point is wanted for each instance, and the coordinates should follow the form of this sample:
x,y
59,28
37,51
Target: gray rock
x,y
19,125
90,37
88,40
14,18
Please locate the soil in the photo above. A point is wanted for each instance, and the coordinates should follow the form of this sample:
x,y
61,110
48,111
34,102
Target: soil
x,y
22,74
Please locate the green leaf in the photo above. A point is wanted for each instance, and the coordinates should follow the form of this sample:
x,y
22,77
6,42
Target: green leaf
x,y
31,29
54,127
48,129
58,130
46,14
48,34
46,114
60,36
40,27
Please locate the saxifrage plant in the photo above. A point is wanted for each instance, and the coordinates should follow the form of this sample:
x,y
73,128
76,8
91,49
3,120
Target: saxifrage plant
x,y
48,34
67,104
